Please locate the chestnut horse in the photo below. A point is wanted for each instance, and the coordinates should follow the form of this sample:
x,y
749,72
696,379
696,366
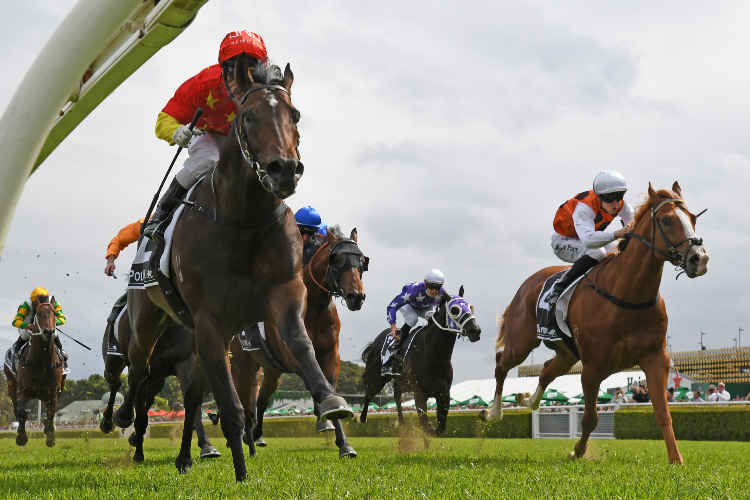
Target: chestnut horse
x,y
427,363
235,262
174,354
612,332
337,272
40,372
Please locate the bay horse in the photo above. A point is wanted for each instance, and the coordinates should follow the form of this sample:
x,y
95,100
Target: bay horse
x,y
427,368
337,272
174,354
616,314
40,372
235,262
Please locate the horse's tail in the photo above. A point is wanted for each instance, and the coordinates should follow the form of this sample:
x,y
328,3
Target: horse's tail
x,y
500,342
366,353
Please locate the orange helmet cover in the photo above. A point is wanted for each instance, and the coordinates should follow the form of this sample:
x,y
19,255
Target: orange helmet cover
x,y
237,42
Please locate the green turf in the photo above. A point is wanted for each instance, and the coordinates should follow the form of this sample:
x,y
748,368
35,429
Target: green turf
x,y
386,468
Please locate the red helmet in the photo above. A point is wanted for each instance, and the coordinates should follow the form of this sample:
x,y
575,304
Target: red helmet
x,y
237,42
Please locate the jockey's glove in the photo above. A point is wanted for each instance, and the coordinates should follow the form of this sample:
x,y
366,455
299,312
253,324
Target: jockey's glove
x,y
182,135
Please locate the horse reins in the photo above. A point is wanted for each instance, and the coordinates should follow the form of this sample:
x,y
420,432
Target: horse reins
x,y
352,256
39,333
672,256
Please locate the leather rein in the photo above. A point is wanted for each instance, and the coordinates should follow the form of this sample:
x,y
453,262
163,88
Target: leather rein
x,y
673,256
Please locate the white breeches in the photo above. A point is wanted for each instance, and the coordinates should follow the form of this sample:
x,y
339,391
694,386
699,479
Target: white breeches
x,y
25,334
204,152
571,249
412,315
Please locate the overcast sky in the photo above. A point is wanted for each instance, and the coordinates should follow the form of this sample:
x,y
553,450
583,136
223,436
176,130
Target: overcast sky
x,y
448,135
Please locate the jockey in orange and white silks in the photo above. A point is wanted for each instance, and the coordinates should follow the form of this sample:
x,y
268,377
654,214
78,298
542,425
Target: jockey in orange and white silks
x,y
580,224
208,90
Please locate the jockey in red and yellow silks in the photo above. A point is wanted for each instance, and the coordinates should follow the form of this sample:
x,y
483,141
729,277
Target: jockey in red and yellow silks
x,y
580,224
208,90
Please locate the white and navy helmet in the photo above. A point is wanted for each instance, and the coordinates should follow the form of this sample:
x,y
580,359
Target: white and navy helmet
x,y
434,276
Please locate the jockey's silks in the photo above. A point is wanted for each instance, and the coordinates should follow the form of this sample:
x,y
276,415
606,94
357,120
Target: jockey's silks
x,y
563,222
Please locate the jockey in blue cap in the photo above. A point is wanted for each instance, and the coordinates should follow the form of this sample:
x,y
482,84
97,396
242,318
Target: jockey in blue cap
x,y
418,300
314,232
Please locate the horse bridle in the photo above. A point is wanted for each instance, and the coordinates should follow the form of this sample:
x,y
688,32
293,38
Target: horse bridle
x,y
459,319
353,257
239,132
39,331
674,257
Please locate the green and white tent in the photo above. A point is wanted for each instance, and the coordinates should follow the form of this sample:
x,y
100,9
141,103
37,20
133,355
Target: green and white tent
x,y
389,406
555,395
475,401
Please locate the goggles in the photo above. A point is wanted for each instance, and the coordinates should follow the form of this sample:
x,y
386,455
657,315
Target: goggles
x,y
307,231
433,286
612,197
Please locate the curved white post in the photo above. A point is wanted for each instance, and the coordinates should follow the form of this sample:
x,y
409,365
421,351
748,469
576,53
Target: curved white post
x,y
46,88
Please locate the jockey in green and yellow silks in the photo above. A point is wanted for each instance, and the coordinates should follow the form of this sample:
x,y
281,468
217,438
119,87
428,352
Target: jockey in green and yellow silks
x,y
24,319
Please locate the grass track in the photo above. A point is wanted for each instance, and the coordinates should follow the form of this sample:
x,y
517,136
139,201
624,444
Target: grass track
x,y
386,468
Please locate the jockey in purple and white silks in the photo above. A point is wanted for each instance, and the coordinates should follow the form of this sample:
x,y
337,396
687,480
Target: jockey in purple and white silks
x,y
416,300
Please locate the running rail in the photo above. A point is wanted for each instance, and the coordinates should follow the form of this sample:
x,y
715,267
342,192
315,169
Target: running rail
x,y
97,46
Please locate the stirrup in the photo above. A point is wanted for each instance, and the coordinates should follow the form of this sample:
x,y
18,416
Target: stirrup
x,y
112,350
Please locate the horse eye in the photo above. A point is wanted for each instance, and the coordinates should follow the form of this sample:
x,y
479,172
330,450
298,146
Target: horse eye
x,y
665,221
455,311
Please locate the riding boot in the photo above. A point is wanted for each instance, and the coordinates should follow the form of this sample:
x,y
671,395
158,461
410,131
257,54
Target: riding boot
x,y
18,344
168,202
62,352
398,359
113,346
580,267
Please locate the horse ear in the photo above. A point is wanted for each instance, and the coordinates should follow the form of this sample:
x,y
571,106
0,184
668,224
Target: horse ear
x,y
331,237
461,291
353,235
52,300
241,75
288,78
651,191
443,299
676,189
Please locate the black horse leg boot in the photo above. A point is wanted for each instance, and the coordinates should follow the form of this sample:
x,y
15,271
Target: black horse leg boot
x,y
580,267
168,202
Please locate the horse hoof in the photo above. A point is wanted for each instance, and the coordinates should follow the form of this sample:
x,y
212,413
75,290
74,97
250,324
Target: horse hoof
x,y
122,421
22,440
572,455
209,451
261,442
214,418
347,451
50,440
324,426
335,408
131,440
183,466
106,426
138,457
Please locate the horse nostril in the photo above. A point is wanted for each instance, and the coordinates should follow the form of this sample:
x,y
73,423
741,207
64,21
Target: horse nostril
x,y
299,170
274,168
694,260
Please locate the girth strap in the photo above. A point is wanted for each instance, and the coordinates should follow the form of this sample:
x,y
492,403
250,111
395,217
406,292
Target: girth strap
x,y
622,303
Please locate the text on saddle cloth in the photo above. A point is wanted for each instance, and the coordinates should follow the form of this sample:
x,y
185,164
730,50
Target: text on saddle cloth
x,y
385,353
552,319
141,276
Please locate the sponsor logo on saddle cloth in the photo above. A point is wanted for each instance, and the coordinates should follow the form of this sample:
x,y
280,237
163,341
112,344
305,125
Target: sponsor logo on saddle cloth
x,y
385,353
552,319
140,275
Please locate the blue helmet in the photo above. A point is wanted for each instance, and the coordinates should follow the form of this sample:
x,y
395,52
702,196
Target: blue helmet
x,y
308,217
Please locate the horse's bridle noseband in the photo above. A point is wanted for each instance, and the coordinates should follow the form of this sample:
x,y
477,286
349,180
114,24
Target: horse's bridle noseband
x,y
239,132
459,320
674,257
353,257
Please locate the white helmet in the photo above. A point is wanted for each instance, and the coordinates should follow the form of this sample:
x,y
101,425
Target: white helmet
x,y
434,276
609,181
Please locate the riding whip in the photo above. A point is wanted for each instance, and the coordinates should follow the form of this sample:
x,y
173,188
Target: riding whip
x,y
198,113
71,338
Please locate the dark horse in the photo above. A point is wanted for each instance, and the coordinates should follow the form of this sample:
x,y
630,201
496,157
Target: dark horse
x,y
237,252
174,354
337,272
427,362
616,314
40,372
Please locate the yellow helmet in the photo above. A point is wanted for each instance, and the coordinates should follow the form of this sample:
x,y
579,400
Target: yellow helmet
x,y
38,291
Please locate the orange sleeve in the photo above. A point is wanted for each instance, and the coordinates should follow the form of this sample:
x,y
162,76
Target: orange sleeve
x,y
127,235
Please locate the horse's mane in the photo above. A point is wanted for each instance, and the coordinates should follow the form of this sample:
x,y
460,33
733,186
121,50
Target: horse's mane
x,y
643,209
336,231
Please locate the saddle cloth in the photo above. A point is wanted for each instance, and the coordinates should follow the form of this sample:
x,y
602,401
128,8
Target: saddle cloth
x,y
552,319
11,361
385,353
250,339
141,275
